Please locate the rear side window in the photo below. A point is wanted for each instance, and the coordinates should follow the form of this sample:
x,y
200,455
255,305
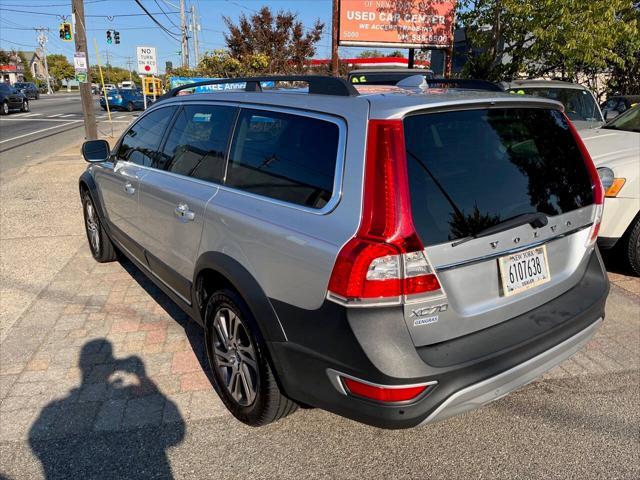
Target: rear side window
x,y
469,170
197,144
284,156
140,144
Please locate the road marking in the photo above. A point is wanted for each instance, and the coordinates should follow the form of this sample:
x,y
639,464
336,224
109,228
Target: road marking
x,y
40,131
68,115
56,115
33,115
19,114
26,119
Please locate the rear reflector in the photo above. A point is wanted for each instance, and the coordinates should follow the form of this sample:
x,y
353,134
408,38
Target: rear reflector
x,y
383,394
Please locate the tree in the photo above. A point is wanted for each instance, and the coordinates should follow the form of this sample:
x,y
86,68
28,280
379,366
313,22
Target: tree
x,y
6,57
565,37
114,74
59,67
370,54
280,38
28,76
220,63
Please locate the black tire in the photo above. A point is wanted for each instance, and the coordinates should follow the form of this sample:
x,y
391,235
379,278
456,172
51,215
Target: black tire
x,y
100,244
630,247
25,106
5,108
268,403
104,108
130,107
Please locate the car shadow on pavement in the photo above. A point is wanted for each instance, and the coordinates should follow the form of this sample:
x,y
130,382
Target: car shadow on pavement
x,y
193,331
115,424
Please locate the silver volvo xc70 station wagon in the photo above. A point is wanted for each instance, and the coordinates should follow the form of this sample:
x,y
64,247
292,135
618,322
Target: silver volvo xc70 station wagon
x,y
394,255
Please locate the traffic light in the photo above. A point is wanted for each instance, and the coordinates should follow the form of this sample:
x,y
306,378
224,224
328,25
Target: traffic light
x,y
116,37
66,33
109,39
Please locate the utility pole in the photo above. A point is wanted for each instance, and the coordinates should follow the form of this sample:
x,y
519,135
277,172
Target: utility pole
x,y
90,127
184,43
195,26
129,63
334,39
42,41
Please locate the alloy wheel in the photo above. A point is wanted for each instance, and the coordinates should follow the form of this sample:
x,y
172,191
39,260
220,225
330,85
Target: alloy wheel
x,y
235,356
5,108
93,226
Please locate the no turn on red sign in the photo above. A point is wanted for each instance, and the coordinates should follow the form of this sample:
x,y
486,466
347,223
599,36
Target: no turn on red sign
x,y
147,64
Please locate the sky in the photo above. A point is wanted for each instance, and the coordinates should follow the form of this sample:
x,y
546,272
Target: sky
x,y
19,18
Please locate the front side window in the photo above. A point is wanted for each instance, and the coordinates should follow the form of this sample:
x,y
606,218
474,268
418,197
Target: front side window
x,y
140,144
197,144
284,156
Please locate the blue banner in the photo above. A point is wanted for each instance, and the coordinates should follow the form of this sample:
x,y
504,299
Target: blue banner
x,y
179,81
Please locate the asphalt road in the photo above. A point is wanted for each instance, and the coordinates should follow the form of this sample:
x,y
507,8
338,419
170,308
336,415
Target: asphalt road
x,y
53,123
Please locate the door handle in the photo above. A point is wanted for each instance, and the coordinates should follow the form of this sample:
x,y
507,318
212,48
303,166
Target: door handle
x,y
183,213
129,188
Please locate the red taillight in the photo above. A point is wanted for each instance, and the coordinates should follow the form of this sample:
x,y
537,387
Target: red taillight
x,y
372,264
382,394
596,185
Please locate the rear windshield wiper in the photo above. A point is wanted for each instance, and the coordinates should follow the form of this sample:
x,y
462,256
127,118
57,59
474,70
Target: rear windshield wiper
x,y
536,220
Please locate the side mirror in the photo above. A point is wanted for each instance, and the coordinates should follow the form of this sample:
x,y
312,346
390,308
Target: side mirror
x,y
611,114
95,151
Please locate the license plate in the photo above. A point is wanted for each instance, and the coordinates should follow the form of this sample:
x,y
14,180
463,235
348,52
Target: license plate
x,y
524,270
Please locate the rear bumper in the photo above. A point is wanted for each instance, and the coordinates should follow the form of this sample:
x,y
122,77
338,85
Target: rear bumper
x,y
374,345
498,386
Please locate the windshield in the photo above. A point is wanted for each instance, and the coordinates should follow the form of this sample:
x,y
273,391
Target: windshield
x,y
629,121
512,161
579,105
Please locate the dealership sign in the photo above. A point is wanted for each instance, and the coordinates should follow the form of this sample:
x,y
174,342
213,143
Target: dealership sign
x,y
397,23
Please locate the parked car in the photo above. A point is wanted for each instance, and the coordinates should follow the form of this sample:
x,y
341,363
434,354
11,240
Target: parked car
x,y
385,76
615,149
28,89
395,259
579,102
123,99
618,104
12,99
128,85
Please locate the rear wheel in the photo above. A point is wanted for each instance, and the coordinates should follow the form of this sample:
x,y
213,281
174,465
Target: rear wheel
x,y
130,107
242,375
630,247
99,242
25,106
4,110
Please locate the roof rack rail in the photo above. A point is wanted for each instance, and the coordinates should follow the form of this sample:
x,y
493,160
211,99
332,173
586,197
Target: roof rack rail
x,y
318,84
468,83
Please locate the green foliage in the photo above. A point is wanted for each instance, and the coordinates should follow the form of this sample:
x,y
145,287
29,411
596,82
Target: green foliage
x,y
28,76
220,63
280,38
113,75
6,57
59,67
539,37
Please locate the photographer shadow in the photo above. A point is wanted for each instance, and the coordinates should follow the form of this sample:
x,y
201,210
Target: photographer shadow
x,y
115,424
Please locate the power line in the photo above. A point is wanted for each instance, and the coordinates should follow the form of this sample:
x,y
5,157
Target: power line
x,y
150,15
92,16
165,14
16,43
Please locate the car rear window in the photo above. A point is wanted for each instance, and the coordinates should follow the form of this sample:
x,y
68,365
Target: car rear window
x,y
471,169
284,156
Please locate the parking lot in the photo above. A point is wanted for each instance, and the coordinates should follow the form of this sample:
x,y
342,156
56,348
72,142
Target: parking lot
x,y
100,373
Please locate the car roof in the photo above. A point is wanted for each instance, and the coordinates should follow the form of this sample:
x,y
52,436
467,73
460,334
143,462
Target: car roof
x,y
545,83
382,101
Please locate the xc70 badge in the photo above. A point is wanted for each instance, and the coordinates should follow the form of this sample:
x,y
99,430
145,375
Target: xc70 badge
x,y
427,315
